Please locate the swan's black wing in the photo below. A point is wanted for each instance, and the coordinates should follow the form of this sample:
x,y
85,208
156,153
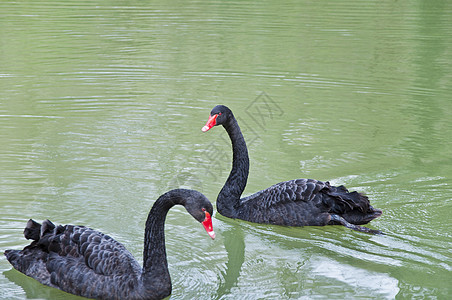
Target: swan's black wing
x,y
98,251
290,191
75,259
302,202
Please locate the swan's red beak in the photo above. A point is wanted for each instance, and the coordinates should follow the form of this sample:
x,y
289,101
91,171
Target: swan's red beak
x,y
210,123
207,223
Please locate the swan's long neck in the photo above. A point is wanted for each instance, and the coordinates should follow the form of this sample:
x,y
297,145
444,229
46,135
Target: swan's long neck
x,y
229,197
155,264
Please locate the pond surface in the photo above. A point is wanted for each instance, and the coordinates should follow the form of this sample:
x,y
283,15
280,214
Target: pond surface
x,y
101,109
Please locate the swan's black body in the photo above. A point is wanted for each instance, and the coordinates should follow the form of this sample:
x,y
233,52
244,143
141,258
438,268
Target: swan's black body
x,y
85,262
299,202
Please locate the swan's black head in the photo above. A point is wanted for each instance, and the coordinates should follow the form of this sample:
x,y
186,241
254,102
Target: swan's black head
x,y
199,207
218,116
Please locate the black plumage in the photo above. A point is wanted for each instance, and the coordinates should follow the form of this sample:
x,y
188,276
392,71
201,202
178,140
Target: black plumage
x,y
299,202
85,262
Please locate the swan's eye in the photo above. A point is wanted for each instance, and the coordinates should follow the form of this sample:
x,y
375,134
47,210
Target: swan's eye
x,y
203,209
219,114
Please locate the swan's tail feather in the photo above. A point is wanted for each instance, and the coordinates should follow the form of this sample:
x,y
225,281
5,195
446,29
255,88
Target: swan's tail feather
x,y
33,230
354,207
344,200
31,259
41,234
47,227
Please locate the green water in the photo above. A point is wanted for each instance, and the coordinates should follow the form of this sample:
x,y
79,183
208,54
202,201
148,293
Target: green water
x,y
101,109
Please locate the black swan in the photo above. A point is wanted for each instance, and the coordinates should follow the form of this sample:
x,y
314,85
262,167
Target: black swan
x,y
298,202
88,263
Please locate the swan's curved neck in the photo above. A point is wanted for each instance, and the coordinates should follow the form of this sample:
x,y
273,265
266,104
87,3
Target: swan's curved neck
x,y
229,196
155,264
